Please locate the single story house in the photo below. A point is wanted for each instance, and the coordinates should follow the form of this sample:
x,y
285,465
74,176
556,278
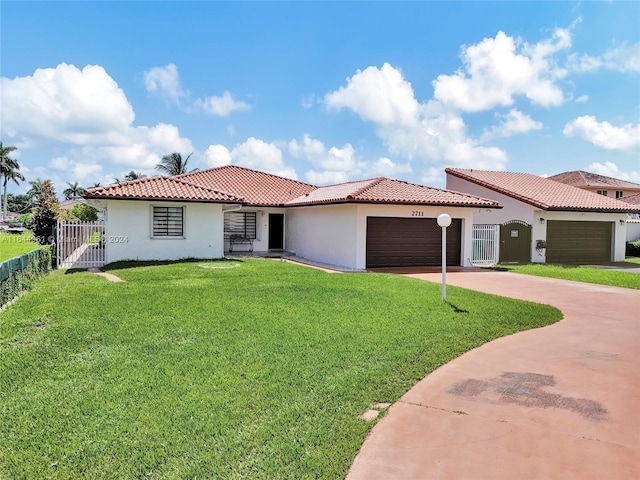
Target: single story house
x,y
357,225
600,184
547,221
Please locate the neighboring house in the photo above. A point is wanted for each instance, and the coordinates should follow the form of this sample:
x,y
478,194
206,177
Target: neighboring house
x,y
600,184
546,221
633,219
357,225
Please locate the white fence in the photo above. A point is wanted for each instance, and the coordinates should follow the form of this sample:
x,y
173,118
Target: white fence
x,y
80,244
486,245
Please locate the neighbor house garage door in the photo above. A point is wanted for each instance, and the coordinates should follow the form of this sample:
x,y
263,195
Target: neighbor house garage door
x,y
402,242
578,242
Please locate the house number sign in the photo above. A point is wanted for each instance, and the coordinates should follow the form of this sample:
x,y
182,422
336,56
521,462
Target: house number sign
x,y
417,213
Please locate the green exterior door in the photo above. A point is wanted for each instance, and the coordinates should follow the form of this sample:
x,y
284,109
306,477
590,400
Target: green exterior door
x,y
515,242
579,242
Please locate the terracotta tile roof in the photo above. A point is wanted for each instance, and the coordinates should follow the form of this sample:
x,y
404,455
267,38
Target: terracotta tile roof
x,y
541,192
162,188
582,179
256,188
632,199
385,190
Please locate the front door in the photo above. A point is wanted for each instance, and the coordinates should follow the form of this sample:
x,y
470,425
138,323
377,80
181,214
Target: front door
x,y
515,242
276,231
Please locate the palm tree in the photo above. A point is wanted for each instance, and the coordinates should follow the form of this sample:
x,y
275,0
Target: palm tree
x,y
134,175
173,164
9,170
74,190
97,184
35,190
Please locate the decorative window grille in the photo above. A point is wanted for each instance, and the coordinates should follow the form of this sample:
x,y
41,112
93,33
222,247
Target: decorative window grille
x,y
240,223
168,221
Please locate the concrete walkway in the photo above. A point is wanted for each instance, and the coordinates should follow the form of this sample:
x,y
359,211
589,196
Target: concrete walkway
x,y
560,402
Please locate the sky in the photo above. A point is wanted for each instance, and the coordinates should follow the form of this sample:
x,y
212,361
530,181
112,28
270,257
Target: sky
x,y
321,92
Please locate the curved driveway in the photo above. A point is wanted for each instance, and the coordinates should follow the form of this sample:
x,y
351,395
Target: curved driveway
x,y
559,402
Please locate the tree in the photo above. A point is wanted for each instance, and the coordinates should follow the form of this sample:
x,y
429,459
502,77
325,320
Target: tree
x,y
45,213
79,213
9,170
173,164
74,190
134,176
35,190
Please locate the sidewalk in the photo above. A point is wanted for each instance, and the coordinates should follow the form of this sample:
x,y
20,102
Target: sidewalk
x,y
560,402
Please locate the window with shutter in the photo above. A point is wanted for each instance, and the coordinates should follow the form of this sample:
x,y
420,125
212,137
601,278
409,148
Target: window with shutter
x,y
240,223
168,221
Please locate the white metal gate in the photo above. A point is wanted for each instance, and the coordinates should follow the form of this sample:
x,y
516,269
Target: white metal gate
x,y
486,245
80,244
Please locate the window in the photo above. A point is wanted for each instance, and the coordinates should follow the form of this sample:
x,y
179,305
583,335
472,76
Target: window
x,y
619,193
168,221
602,192
240,223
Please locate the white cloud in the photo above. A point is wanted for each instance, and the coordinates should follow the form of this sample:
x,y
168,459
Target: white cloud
x,y
432,175
429,132
385,167
394,102
166,82
582,99
338,159
86,110
327,177
603,134
64,104
308,101
511,124
610,169
217,156
498,69
623,58
221,106
254,153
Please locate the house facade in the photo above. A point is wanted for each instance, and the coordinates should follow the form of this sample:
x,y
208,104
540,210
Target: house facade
x,y
356,225
545,221
600,184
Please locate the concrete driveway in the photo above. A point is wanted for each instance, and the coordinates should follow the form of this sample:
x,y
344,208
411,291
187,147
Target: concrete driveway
x,y
560,402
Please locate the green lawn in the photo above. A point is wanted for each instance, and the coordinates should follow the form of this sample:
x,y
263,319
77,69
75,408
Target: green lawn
x,y
222,369
13,245
580,274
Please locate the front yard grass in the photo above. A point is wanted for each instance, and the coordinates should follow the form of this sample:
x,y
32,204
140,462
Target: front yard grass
x,y
13,244
222,369
578,273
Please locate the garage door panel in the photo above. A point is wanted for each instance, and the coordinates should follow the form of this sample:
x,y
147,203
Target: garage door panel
x,y
401,242
579,242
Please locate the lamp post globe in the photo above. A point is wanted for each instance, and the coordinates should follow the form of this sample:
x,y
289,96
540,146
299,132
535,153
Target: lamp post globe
x,y
444,220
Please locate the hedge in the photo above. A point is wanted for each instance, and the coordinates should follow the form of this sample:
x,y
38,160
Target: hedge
x,y
18,274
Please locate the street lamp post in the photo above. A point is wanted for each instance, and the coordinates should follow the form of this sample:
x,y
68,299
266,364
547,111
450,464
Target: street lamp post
x,y
444,220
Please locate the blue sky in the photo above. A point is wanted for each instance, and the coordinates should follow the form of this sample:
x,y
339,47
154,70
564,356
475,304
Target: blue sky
x,y
323,92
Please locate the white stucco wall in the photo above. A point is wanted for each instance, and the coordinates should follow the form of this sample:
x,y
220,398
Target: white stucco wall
x,y
129,232
516,210
337,234
323,233
633,230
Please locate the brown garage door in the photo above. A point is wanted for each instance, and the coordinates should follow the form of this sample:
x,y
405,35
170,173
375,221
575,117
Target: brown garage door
x,y
578,242
403,242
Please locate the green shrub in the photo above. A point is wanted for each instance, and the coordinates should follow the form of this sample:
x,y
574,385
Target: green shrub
x,y
19,274
25,219
633,249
